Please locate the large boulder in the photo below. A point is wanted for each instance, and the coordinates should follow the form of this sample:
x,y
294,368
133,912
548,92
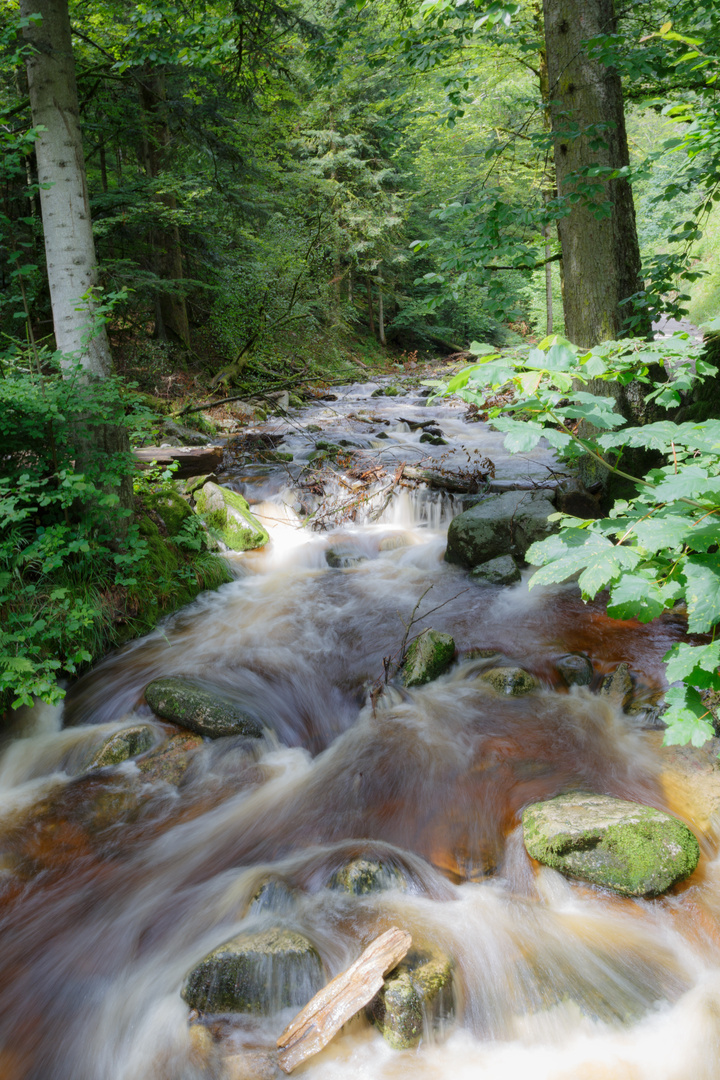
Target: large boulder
x,y
429,655
256,973
198,708
632,849
229,515
575,668
505,524
170,507
417,991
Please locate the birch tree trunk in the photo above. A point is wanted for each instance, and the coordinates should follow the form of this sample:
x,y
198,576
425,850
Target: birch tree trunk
x,y
69,247
601,257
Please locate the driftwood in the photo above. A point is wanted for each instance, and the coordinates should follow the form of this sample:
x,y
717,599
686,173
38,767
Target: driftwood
x,y
341,999
192,461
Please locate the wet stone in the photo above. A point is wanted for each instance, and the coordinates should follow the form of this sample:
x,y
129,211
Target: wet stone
x,y
510,680
363,876
632,849
256,973
343,560
418,991
429,655
505,524
617,687
500,571
171,760
576,669
273,895
194,706
229,515
122,746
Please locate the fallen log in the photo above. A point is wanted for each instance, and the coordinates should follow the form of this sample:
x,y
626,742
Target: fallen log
x,y
343,997
192,461
473,484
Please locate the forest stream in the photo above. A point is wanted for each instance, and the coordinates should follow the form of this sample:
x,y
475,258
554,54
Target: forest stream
x,y
115,882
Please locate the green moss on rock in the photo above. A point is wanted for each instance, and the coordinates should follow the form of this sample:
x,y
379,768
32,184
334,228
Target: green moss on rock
x,y
229,515
170,507
363,876
199,708
633,849
510,680
170,761
122,746
429,655
256,973
418,991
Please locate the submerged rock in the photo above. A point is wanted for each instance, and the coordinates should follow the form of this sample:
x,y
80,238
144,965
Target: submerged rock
x,y
229,515
198,708
273,895
122,746
576,669
363,876
617,687
505,524
256,973
632,849
418,991
171,760
429,655
500,571
340,559
513,681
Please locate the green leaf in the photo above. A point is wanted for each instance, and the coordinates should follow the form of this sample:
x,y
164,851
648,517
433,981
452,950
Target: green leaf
x,y
659,533
687,718
605,567
480,348
702,578
686,661
636,597
461,379
521,436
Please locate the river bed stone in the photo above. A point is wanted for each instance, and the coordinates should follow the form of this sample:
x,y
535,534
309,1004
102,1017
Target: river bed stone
x,y
513,681
500,571
419,990
199,708
256,973
505,524
363,876
229,515
632,849
427,657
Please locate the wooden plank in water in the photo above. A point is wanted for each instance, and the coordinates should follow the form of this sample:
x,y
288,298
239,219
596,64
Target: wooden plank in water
x,y
341,999
193,461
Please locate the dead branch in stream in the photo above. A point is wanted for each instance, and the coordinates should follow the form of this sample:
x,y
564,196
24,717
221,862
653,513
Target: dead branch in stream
x,y
341,999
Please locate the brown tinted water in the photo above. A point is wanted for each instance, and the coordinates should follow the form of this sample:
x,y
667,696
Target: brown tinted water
x,y
114,885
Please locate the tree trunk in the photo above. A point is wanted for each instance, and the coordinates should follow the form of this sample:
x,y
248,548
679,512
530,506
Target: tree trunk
x,y
69,247
381,316
371,318
601,258
170,310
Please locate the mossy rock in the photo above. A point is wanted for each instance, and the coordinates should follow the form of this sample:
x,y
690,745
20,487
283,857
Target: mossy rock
x,y
273,895
434,440
199,708
170,761
363,876
512,681
505,524
343,560
229,515
314,429
170,507
632,849
123,745
386,391
418,991
194,483
274,457
256,973
500,571
430,654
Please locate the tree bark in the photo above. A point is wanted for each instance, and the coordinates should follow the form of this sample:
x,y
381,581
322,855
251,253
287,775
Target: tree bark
x,y
69,247
601,257
171,310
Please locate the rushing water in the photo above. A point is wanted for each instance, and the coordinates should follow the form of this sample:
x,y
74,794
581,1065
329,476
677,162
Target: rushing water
x,y
113,887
